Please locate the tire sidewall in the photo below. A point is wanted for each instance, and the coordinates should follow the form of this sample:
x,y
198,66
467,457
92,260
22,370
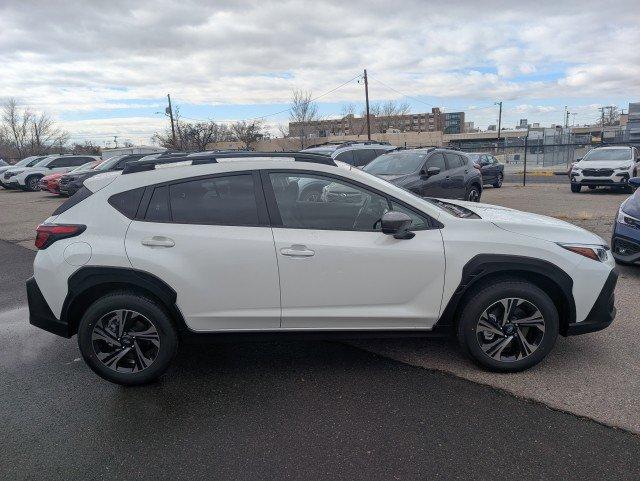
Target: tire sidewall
x,y
468,195
146,307
29,180
483,299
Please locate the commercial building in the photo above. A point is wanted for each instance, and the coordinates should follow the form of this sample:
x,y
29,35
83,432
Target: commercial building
x,y
434,121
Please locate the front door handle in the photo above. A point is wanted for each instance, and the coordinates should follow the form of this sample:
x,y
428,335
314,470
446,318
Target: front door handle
x,y
158,241
297,250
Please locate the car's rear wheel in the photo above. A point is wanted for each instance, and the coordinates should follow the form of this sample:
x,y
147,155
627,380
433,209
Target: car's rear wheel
x,y
31,183
498,183
127,339
575,188
509,326
473,194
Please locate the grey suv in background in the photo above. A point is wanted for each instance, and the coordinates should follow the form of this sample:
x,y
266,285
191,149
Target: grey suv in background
x,y
430,172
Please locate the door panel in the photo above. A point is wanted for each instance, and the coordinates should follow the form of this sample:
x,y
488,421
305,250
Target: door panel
x,y
360,280
456,188
435,185
226,277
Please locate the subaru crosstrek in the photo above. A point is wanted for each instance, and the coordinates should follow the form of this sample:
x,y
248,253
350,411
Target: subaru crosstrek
x,y
222,244
605,167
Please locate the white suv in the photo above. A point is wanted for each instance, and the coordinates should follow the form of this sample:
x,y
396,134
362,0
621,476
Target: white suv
x,y
27,178
221,243
607,167
353,153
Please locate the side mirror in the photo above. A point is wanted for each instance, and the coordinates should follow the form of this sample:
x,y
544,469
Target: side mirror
x,y
578,159
634,181
430,171
397,224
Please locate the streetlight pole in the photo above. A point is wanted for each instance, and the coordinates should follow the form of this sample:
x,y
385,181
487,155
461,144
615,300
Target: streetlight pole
x,y
499,122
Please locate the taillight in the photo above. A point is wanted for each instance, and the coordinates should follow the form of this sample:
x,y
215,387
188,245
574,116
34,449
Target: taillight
x,y
47,234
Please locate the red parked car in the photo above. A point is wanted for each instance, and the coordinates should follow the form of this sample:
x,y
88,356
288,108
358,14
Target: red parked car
x,y
51,183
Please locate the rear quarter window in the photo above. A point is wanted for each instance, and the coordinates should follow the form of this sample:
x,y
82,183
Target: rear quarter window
x,y
127,202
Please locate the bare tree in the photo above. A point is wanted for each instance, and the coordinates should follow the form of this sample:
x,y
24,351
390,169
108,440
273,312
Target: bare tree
x,y
247,132
192,136
303,113
611,116
387,115
44,133
349,117
16,122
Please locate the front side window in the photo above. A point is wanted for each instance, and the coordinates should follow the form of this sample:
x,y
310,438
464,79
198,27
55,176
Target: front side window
x,y
346,157
342,205
453,160
436,160
363,157
227,200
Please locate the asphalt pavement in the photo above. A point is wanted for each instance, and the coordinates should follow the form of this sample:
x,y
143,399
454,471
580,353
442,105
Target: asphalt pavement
x,y
294,410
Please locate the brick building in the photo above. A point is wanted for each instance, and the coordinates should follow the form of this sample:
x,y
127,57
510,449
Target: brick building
x,y
435,121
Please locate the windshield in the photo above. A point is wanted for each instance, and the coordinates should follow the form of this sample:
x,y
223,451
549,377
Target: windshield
x,y
42,163
396,163
474,157
107,164
87,166
607,154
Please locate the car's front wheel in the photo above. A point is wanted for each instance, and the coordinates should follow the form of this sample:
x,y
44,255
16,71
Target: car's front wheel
x,y
127,339
31,183
498,183
575,188
508,326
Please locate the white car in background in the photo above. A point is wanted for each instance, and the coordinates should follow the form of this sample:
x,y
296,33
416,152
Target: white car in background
x,y
26,162
27,178
605,167
222,243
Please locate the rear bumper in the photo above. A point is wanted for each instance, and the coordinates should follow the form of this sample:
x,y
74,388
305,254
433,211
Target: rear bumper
x,y
602,313
40,314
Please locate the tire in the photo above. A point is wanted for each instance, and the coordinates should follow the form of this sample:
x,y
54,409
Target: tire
x,y
471,334
575,188
498,183
144,316
31,183
473,194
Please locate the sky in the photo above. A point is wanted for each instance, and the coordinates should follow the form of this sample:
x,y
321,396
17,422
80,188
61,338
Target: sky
x,y
103,68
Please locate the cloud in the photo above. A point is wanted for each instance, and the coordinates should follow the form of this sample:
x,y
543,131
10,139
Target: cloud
x,y
96,56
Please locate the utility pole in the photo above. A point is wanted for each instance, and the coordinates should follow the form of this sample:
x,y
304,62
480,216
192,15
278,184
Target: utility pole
x,y
566,117
602,125
499,118
366,96
169,111
115,140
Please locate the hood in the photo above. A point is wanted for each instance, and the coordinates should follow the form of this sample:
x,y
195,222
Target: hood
x,y
603,164
532,225
78,176
393,178
4,168
631,206
52,176
16,170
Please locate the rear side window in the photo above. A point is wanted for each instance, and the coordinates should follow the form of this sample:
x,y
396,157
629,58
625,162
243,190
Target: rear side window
x,y
227,200
453,160
363,157
75,199
127,202
346,156
158,209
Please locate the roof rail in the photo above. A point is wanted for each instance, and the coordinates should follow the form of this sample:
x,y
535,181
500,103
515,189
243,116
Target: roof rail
x,y
138,166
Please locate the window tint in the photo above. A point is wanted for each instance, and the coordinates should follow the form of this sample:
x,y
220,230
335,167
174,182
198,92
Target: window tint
x,y
363,157
158,209
75,199
342,206
127,202
436,160
228,200
453,160
417,221
346,156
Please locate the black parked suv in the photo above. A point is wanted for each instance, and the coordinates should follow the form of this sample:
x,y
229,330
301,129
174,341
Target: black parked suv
x,y
430,172
72,182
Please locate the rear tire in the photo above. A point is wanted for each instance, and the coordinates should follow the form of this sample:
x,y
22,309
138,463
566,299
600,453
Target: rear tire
x,y
473,194
575,188
482,328
136,354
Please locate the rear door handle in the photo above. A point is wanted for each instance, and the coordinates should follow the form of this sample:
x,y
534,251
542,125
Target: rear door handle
x,y
158,241
297,250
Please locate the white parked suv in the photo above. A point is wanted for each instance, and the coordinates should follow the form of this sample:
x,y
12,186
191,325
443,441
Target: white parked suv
x,y
606,167
27,178
222,244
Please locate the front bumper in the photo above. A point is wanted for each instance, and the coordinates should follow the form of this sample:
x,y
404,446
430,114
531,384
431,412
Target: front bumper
x,y
602,313
617,179
40,314
625,244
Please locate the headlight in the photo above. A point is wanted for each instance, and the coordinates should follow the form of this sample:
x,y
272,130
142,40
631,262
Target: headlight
x,y
576,170
623,167
626,219
595,252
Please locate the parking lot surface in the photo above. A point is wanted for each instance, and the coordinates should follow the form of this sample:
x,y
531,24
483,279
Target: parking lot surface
x,y
321,410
